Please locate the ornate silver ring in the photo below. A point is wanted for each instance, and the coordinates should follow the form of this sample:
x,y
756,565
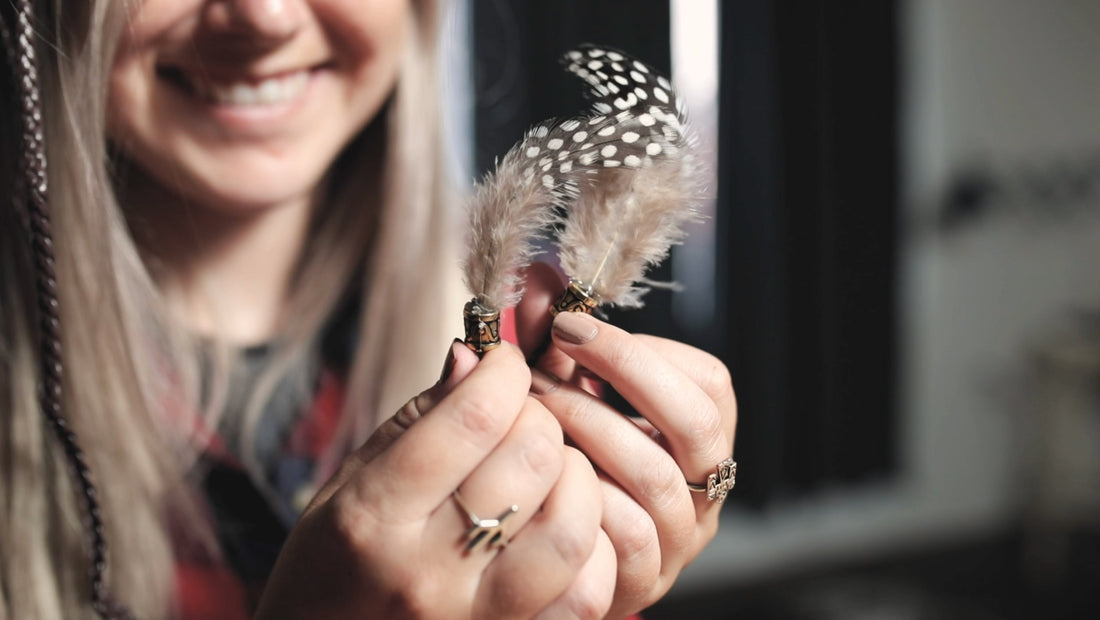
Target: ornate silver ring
x,y
720,483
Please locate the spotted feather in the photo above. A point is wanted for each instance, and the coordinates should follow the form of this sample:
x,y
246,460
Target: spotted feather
x,y
623,221
556,161
618,81
577,147
650,116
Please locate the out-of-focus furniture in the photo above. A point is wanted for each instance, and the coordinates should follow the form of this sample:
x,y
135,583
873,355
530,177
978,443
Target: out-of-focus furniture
x,y
1062,449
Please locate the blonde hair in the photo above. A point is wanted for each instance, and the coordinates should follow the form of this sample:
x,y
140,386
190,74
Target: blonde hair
x,y
126,363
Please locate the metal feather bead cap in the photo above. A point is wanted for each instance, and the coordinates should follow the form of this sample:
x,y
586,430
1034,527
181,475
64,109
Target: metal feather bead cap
x,y
482,327
577,297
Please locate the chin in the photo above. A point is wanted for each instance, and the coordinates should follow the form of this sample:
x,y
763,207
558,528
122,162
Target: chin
x,y
248,200
250,197
240,185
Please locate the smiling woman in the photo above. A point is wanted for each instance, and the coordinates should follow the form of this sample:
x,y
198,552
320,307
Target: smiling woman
x,y
240,260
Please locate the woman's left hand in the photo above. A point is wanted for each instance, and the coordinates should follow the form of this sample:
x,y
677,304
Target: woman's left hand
x,y
686,398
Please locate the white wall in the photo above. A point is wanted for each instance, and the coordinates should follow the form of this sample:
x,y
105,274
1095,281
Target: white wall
x,y
1011,83
455,52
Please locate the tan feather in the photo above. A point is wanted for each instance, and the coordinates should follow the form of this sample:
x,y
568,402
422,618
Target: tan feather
x,y
624,222
626,218
509,210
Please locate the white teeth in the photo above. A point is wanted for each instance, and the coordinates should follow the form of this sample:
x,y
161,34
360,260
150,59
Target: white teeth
x,y
239,94
268,92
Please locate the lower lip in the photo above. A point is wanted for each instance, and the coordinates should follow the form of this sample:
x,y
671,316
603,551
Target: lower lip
x,y
254,119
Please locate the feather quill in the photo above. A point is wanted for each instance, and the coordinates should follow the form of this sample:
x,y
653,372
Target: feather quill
x,y
625,219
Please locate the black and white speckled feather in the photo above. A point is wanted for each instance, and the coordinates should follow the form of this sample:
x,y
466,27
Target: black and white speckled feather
x,y
559,163
532,184
617,81
624,219
586,144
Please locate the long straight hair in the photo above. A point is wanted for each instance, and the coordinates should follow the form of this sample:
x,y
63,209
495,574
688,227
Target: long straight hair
x,y
130,372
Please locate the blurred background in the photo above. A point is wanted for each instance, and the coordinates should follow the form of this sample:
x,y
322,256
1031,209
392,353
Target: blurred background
x,y
901,267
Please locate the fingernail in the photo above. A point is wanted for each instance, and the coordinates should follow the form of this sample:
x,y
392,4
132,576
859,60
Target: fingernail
x,y
409,414
575,327
449,364
543,383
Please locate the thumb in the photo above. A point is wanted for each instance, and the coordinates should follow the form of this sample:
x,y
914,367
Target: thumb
x,y
460,361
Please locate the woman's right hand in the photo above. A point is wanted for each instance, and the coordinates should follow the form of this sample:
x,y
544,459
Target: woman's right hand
x,y
384,538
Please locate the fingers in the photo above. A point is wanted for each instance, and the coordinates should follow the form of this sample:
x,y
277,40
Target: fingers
x,y
429,460
634,536
460,362
520,472
627,455
590,594
546,555
707,371
687,417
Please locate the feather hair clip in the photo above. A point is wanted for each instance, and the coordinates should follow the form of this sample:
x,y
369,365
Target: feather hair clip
x,y
508,211
625,218
521,199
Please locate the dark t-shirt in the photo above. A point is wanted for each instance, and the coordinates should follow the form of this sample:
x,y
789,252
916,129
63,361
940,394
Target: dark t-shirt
x,y
252,512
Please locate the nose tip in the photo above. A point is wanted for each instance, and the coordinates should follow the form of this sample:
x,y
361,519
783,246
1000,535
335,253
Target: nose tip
x,y
273,19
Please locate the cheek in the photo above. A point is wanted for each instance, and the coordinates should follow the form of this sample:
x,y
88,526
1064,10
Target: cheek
x,y
372,36
150,25
128,96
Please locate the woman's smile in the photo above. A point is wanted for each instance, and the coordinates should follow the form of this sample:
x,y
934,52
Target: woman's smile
x,y
245,91
247,103
243,105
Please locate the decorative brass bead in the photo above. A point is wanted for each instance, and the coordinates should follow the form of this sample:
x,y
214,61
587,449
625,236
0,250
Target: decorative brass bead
x,y
482,327
575,298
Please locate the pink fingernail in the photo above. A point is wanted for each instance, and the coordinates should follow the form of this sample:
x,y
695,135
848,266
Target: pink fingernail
x,y
575,327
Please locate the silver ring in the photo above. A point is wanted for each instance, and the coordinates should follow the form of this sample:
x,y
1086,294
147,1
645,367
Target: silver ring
x,y
487,531
720,483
